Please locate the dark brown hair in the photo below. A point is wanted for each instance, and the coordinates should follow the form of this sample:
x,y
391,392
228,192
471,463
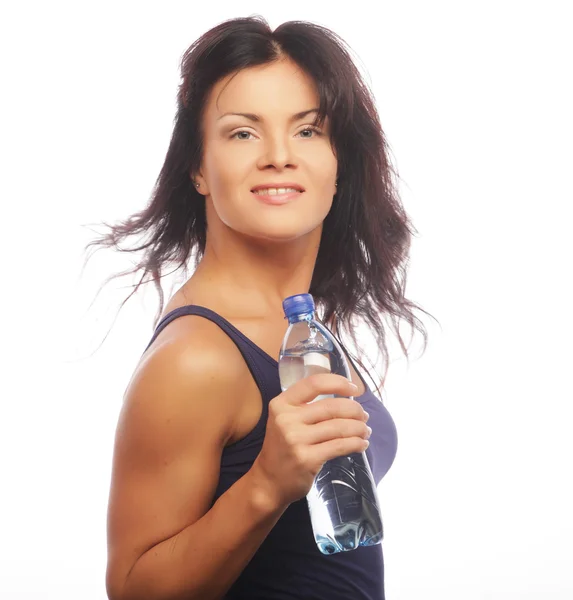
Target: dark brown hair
x,y
360,271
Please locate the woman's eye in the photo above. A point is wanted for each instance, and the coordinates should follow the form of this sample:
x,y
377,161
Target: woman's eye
x,y
312,130
235,135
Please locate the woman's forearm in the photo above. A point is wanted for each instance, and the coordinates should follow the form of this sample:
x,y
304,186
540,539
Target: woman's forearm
x,y
204,559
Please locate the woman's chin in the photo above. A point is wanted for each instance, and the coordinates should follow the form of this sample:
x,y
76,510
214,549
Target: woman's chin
x,y
281,233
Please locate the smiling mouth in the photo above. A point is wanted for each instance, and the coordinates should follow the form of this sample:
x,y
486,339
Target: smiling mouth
x,y
277,198
276,191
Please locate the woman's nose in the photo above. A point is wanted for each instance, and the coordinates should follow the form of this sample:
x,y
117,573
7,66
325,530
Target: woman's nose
x,y
277,152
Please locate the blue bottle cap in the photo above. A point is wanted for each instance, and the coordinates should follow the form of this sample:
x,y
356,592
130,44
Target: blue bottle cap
x,y
300,304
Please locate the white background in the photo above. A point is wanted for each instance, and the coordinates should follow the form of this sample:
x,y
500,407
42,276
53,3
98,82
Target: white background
x,y
475,98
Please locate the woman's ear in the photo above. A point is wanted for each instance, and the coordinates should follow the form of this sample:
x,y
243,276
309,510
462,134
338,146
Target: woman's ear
x,y
199,183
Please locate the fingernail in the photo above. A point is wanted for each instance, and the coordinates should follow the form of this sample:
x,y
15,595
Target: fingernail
x,y
367,415
354,385
369,430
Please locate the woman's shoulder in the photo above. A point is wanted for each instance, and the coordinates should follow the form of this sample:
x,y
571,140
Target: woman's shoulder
x,y
194,345
191,365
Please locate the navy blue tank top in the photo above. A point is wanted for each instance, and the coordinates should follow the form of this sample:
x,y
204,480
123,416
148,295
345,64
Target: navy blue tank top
x,y
288,564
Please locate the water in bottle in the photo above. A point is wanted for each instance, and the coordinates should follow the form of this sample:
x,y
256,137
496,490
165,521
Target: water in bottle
x,y
343,501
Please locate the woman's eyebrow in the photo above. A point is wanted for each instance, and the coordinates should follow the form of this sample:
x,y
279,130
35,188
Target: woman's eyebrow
x,y
258,118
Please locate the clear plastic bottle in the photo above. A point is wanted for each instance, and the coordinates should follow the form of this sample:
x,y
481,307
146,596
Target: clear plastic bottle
x,y
343,501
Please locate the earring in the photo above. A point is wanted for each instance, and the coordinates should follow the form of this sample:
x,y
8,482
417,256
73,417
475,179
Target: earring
x,y
336,183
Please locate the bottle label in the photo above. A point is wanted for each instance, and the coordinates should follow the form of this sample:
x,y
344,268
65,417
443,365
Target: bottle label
x,y
315,359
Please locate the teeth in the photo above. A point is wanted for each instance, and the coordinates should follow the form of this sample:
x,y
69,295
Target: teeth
x,y
275,191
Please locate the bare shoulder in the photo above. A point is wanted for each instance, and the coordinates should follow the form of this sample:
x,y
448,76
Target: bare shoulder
x,y
191,367
195,335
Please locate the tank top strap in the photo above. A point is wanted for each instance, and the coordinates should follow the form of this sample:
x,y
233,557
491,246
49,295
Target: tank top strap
x,y
261,365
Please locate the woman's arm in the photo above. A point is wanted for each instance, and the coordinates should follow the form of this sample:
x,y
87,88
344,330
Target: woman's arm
x,y
164,540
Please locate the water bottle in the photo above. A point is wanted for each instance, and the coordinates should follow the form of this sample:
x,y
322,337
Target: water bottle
x,y
343,501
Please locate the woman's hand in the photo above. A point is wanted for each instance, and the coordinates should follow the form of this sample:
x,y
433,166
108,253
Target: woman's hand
x,y
301,437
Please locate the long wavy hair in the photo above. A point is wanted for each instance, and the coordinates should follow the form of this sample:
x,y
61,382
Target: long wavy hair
x,y
360,271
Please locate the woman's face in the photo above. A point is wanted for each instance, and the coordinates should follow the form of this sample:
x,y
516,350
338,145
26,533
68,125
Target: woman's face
x,y
276,146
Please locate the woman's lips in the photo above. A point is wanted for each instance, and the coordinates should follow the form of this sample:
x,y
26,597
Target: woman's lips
x,y
277,199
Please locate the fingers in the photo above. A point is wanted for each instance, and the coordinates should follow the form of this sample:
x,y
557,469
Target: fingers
x,y
307,389
338,447
334,428
333,408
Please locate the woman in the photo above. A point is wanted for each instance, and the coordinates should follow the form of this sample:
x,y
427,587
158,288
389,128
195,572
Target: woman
x,y
277,177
